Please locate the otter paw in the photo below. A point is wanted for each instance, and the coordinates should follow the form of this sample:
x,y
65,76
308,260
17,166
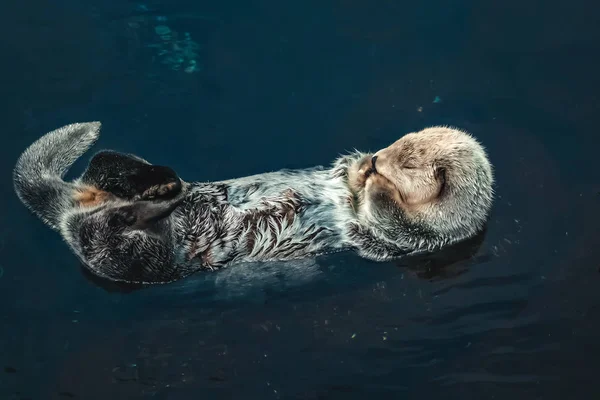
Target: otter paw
x,y
359,172
160,191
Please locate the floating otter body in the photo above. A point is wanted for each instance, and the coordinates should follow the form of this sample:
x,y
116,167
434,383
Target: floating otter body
x,y
130,221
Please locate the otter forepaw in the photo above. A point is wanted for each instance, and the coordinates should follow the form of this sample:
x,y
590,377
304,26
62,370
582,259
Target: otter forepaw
x,y
359,172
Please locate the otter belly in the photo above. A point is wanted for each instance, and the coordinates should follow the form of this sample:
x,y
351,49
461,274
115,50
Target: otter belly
x,y
282,215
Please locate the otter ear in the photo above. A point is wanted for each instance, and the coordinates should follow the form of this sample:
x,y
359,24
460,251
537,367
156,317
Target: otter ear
x,y
440,175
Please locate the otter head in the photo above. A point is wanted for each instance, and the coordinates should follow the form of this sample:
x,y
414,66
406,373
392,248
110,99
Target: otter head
x,y
428,189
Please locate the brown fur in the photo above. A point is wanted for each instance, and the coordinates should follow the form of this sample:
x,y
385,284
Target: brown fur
x,y
90,196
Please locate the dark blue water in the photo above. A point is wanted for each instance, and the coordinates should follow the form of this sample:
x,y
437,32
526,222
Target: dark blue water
x,y
237,88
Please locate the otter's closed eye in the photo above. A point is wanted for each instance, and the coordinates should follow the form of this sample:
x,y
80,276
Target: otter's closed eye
x,y
409,166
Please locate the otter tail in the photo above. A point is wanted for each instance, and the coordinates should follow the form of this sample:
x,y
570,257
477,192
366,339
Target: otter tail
x,y
38,174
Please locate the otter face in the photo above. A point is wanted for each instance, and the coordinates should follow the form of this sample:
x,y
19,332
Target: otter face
x,y
429,187
412,170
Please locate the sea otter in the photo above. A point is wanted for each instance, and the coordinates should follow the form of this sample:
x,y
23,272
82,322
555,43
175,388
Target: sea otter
x,y
130,221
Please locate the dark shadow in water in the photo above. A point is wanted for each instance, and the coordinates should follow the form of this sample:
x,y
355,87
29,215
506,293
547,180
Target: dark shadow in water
x,y
449,262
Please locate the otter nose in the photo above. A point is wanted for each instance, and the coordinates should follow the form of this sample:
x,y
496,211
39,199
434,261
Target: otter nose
x,y
373,161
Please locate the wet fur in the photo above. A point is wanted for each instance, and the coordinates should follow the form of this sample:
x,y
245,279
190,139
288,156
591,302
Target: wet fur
x,y
130,221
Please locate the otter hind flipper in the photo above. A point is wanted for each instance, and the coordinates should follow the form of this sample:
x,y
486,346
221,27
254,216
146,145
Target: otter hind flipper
x,y
130,177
